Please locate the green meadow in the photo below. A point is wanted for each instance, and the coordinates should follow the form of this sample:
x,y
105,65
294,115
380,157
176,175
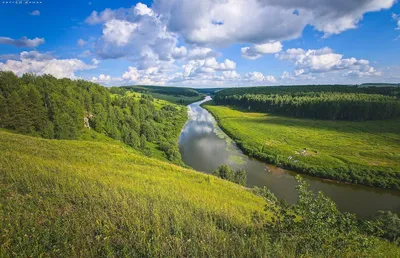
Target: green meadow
x,y
365,152
63,198
68,198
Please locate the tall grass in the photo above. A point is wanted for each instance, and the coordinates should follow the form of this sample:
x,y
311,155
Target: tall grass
x,y
94,199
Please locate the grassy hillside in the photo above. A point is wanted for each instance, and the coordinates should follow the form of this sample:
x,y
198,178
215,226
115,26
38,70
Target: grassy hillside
x,y
65,198
78,198
358,152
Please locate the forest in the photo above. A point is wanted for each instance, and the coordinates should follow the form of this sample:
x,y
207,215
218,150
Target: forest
x,y
57,109
317,102
176,95
164,90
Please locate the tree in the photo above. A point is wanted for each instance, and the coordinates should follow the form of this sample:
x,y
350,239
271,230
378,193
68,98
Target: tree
x,y
389,224
240,177
143,141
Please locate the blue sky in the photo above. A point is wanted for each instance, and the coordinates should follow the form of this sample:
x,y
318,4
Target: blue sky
x,y
204,43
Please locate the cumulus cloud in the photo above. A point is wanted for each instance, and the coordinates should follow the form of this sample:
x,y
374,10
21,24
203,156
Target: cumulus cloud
x,y
324,60
35,13
257,51
198,53
259,77
22,42
149,76
229,75
179,52
42,63
174,41
211,22
137,34
209,65
101,78
118,32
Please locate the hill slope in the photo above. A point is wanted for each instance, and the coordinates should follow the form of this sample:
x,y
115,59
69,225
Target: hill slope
x,y
77,198
64,198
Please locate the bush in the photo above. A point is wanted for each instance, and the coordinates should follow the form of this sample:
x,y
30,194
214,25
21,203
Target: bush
x,y
225,172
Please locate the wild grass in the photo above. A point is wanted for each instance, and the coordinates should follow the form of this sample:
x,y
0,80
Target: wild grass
x,y
62,198
77,198
357,152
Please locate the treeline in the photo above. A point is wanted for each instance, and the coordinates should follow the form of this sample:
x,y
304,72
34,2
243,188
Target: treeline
x,y
57,109
300,90
318,105
175,91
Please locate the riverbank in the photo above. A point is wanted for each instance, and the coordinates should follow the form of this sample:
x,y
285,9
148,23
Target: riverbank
x,y
363,153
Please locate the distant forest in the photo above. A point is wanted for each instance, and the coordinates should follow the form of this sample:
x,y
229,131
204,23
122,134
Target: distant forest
x,y
330,102
56,109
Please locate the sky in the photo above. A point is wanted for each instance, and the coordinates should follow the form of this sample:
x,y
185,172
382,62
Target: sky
x,y
203,43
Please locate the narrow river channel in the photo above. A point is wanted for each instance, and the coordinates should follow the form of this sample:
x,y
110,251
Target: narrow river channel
x,y
204,146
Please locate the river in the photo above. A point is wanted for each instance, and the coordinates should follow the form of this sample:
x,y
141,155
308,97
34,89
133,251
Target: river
x,y
204,146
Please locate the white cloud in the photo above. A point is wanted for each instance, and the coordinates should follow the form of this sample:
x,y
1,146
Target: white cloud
x,y
230,75
224,22
96,18
174,42
197,53
259,77
35,13
81,42
101,78
142,9
95,61
325,60
396,17
257,51
39,63
118,32
22,42
138,35
179,52
149,76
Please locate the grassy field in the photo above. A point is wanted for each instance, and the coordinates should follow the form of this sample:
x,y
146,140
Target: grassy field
x,y
358,152
62,198
89,199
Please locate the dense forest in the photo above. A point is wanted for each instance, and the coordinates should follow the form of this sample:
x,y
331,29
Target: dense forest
x,y
300,90
318,102
164,90
177,95
61,108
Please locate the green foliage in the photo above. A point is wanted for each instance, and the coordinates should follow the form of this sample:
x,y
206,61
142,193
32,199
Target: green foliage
x,y
56,108
313,226
317,105
237,176
295,90
171,150
176,91
356,152
182,96
389,225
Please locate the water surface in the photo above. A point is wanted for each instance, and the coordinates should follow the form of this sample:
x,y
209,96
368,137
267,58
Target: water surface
x,y
204,147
